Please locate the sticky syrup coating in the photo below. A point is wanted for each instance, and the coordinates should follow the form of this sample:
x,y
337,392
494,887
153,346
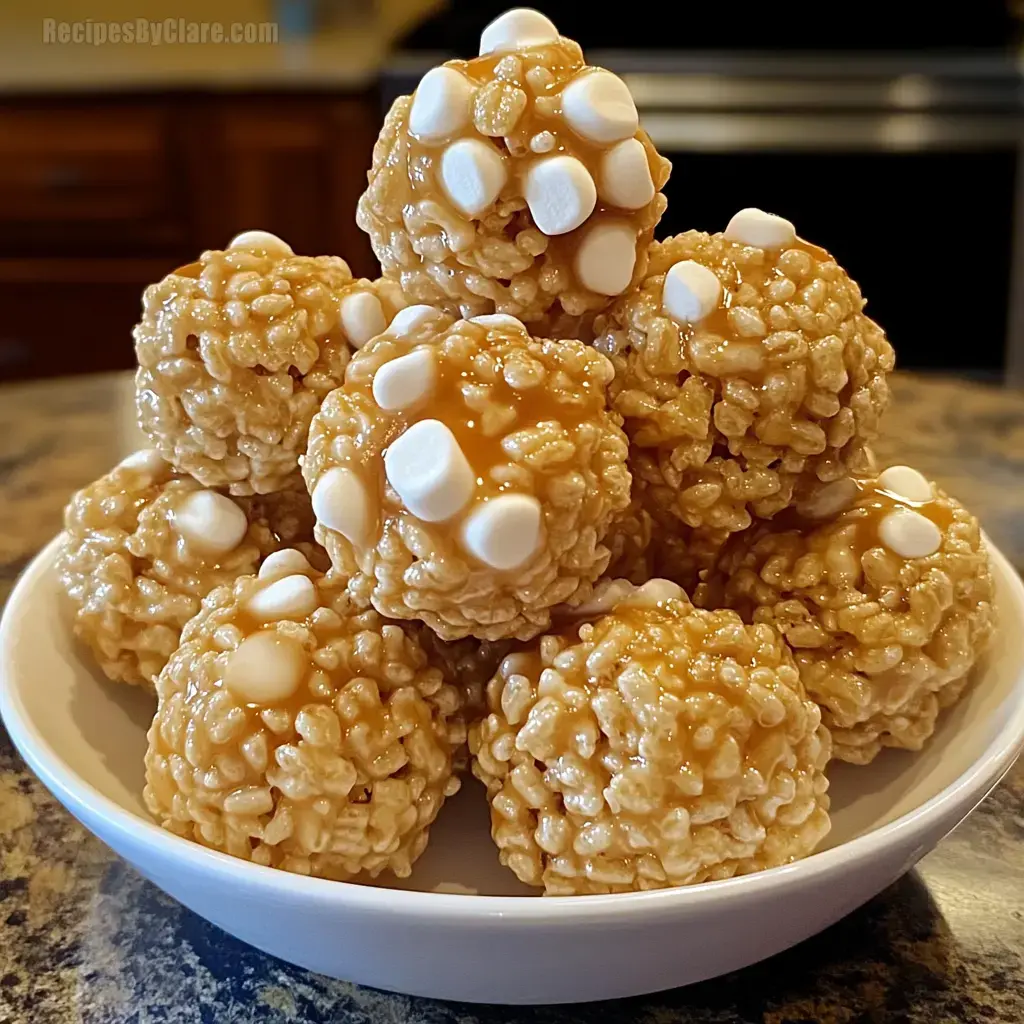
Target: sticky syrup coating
x,y
662,746
236,352
498,261
134,581
883,642
775,393
339,772
531,417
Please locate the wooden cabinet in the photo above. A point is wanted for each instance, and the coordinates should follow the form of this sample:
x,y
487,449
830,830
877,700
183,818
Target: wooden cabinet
x,y
99,197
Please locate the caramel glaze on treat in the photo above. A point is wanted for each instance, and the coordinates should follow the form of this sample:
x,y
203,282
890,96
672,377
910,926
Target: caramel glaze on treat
x,y
236,353
658,745
528,422
884,640
297,733
136,564
497,259
757,402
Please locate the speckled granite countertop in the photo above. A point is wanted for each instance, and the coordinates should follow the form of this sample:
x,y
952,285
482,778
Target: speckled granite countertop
x,y
84,939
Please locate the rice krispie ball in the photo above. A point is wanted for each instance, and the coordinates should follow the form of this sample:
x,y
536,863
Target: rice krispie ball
x,y
746,371
516,182
466,474
237,351
887,606
298,733
658,745
143,546
630,541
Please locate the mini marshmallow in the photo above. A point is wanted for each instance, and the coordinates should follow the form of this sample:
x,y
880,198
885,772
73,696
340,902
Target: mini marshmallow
x,y
211,522
560,193
441,105
499,320
429,471
655,593
409,320
402,382
362,317
829,500
906,482
691,292
505,531
286,562
341,503
542,142
909,534
522,28
473,172
598,105
145,460
765,230
607,594
265,667
606,257
625,178
262,240
293,597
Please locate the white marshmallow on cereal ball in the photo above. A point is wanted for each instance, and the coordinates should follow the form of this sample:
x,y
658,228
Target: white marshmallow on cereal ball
x,y
145,460
599,106
764,230
829,499
429,471
691,292
261,240
286,562
211,522
473,173
656,593
624,178
519,29
505,531
606,257
490,320
265,667
909,534
906,482
405,381
440,105
341,503
560,193
362,317
293,597
409,320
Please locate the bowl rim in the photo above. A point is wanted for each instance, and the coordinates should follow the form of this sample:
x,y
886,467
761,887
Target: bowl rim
x,y
86,803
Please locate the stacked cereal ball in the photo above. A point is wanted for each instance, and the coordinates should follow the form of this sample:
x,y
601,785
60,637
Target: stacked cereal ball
x,y
518,182
886,604
592,515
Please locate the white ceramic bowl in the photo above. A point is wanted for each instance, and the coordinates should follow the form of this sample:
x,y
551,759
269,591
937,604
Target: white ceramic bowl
x,y
462,927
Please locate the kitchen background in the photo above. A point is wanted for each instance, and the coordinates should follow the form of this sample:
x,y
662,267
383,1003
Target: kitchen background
x,y
890,131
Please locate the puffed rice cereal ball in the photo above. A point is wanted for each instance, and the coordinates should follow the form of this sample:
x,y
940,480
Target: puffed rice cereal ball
x,y
517,182
746,371
887,606
659,745
466,474
298,733
144,546
237,351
